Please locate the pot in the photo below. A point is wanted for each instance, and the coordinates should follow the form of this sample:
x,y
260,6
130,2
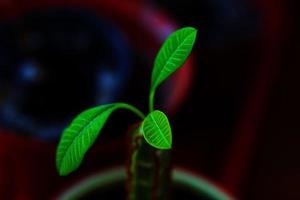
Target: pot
x,y
110,184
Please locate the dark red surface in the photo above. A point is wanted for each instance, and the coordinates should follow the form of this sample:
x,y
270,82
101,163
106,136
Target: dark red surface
x,y
25,162
247,130
27,169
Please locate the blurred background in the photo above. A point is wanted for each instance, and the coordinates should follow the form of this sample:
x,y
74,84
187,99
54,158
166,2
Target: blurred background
x,y
233,106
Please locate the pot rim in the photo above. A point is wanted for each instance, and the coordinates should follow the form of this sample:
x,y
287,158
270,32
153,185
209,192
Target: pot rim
x,y
196,183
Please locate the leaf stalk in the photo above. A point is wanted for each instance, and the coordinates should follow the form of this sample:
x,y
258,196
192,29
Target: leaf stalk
x,y
133,109
151,100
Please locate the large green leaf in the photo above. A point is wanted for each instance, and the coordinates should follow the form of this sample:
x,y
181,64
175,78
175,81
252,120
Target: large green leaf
x,y
157,131
173,54
81,134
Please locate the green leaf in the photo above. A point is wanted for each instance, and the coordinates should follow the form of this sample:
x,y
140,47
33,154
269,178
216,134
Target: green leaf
x,y
157,131
82,133
172,54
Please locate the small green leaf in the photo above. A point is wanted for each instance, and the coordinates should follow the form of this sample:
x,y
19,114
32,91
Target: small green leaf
x,y
82,133
172,54
157,131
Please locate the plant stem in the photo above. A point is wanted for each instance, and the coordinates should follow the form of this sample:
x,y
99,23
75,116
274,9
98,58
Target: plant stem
x,y
133,109
151,100
148,170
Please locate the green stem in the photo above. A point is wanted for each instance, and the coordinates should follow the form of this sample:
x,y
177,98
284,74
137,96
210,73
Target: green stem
x,y
133,109
151,100
148,170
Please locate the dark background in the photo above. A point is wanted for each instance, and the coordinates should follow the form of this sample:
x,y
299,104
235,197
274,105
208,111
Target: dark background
x,y
233,108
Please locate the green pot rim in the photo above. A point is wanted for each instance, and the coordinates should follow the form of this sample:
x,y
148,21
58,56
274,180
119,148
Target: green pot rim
x,y
195,183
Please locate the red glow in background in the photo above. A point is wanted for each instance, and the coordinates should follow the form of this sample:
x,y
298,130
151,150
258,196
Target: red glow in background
x,y
233,106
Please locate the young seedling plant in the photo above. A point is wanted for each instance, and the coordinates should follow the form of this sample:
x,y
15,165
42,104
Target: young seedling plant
x,y
148,170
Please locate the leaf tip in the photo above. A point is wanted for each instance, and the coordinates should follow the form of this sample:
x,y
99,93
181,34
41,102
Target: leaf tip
x,y
65,171
62,173
191,28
